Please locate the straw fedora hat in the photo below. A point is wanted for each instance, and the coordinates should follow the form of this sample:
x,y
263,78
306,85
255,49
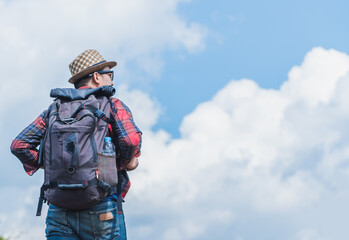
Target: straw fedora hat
x,y
88,62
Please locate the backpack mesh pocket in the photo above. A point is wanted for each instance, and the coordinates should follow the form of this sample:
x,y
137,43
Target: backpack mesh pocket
x,y
107,171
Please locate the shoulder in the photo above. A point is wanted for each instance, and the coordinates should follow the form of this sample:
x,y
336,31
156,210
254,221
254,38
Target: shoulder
x,y
115,101
119,105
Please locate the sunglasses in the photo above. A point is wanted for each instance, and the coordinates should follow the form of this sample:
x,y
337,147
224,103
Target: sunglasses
x,y
105,72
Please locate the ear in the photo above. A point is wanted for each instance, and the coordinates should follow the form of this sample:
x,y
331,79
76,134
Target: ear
x,y
96,79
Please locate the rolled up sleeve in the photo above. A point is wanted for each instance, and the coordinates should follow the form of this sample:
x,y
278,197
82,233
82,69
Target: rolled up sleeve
x,y
128,139
24,146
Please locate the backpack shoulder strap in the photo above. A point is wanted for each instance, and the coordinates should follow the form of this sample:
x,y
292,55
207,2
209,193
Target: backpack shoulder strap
x,y
46,120
40,161
53,106
100,114
113,111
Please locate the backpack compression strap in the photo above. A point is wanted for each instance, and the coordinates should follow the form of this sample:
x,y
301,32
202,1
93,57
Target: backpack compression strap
x,y
110,189
97,112
100,114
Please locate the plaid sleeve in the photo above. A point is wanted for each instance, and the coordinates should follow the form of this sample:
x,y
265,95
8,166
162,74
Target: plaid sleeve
x,y
128,137
24,146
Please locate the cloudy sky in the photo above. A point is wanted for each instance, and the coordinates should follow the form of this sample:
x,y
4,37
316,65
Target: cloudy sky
x,y
243,108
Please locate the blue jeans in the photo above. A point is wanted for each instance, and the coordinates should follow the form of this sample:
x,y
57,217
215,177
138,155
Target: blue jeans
x,y
92,223
122,226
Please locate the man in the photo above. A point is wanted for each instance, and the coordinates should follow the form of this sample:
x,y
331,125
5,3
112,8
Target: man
x,y
89,70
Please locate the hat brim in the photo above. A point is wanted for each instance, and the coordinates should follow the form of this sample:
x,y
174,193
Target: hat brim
x,y
95,68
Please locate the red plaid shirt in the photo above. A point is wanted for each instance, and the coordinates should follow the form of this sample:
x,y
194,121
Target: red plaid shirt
x,y
128,137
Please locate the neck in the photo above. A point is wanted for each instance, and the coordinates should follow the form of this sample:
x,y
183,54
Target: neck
x,y
89,85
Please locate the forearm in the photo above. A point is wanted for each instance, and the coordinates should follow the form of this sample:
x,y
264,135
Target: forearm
x,y
24,146
128,137
129,148
27,154
130,145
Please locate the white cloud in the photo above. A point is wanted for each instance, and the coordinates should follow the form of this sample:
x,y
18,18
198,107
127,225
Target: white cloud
x,y
18,220
248,161
309,234
40,38
307,83
268,151
248,153
144,109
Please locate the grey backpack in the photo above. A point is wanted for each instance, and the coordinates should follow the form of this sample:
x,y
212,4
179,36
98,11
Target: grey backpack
x,y
77,123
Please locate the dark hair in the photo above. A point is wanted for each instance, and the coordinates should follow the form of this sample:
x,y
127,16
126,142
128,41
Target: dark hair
x,y
82,82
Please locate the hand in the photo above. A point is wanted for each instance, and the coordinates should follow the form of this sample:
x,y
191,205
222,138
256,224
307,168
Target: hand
x,y
132,165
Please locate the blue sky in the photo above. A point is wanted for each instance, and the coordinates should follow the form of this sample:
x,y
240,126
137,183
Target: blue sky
x,y
259,40
243,108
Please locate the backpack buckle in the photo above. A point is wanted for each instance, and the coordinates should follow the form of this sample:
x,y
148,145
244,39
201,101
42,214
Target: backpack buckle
x,y
68,120
71,170
104,186
100,114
